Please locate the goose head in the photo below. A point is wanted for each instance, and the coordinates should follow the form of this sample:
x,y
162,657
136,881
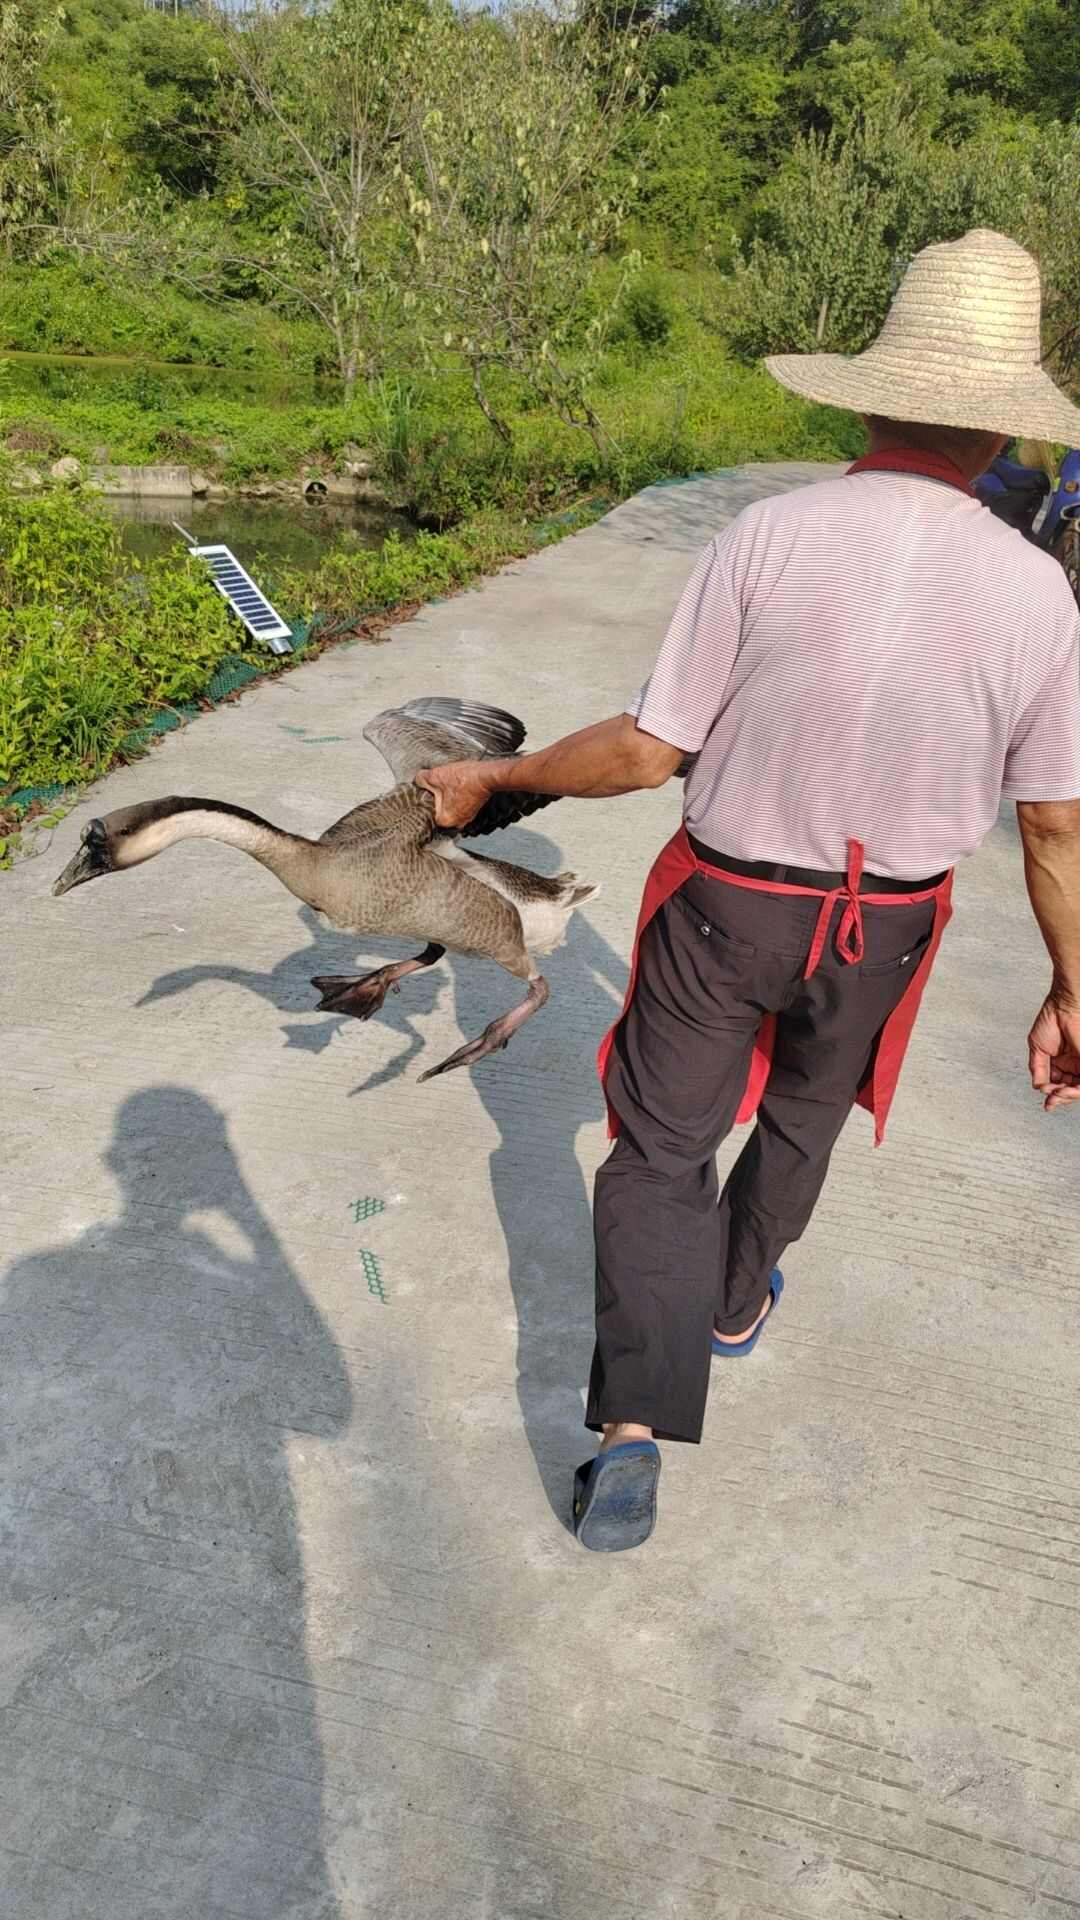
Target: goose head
x,y
123,838
130,835
95,856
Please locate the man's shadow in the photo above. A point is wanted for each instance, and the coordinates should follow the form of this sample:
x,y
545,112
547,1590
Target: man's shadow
x,y
539,1094
154,1539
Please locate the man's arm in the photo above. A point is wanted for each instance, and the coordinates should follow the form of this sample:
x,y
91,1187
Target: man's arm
x,y
615,756
1050,830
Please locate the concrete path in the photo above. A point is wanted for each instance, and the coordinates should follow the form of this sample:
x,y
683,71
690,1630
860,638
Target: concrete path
x,y
292,1624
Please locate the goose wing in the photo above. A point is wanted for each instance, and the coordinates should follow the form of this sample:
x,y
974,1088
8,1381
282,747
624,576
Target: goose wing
x,y
400,815
435,731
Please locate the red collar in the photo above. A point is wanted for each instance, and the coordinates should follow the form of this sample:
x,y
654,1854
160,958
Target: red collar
x,y
935,466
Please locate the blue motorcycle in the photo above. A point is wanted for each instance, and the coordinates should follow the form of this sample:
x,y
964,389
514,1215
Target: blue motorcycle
x,y
1045,514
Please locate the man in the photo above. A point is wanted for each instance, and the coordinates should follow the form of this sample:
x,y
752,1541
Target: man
x,y
861,669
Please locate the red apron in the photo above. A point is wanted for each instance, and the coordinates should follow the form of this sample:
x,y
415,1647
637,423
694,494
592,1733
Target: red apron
x,y
678,862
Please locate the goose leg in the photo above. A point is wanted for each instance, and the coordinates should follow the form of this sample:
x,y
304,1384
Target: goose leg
x,y
499,1033
362,995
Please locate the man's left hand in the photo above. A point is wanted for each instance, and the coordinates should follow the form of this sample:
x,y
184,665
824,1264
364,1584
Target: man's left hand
x,y
1054,1054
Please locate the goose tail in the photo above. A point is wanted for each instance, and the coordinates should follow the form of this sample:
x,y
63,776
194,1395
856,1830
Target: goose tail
x,y
572,892
545,920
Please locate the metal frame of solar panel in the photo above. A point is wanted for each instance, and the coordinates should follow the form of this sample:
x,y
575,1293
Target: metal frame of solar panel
x,y
247,601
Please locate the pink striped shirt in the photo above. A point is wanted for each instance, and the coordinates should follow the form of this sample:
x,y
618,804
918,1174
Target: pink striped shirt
x,y
873,656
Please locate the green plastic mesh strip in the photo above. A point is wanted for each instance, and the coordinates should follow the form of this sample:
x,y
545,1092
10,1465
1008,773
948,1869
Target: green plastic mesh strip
x,y
232,673
24,797
684,479
156,723
585,510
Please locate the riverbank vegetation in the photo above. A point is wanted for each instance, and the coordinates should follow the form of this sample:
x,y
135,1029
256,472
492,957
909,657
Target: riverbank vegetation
x,y
524,260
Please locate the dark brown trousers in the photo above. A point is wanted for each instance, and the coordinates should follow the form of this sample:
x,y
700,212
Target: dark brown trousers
x,y
673,1254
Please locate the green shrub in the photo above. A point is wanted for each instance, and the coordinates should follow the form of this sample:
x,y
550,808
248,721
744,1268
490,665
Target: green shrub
x,y
841,220
647,313
87,641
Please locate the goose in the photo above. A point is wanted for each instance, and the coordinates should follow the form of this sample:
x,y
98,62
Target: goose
x,y
385,867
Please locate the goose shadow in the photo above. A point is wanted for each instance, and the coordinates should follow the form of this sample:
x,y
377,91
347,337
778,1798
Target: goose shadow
x,y
287,987
540,1191
155,1548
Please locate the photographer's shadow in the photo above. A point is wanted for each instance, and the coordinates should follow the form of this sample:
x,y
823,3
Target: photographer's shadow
x,y
155,1551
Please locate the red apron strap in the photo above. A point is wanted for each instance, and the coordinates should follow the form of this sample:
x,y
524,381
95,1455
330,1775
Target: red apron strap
x,y
876,1093
849,934
673,865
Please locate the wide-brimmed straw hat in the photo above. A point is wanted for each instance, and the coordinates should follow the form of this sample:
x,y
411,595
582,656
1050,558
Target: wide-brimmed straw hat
x,y
960,347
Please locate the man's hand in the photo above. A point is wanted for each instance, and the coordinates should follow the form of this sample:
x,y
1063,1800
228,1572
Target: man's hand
x,y
612,757
460,789
1054,1053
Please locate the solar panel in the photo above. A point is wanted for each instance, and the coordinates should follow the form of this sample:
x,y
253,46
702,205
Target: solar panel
x,y
247,601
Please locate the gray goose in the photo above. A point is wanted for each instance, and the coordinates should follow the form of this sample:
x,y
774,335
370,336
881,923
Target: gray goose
x,y
385,867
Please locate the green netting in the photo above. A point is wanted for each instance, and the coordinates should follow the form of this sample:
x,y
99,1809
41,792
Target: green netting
x,y
25,797
584,510
156,723
232,673
372,1268
699,473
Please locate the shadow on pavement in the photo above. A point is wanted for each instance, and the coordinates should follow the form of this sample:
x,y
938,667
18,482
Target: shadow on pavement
x,y
539,1093
287,986
153,1548
540,1192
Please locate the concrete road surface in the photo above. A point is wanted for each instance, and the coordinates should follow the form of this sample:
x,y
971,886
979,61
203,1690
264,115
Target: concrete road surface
x,y
293,1627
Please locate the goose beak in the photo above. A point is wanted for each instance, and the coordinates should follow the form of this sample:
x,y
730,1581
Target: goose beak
x,y
92,859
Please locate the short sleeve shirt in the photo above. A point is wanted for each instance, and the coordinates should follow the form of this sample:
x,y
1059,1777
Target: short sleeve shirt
x,y
873,657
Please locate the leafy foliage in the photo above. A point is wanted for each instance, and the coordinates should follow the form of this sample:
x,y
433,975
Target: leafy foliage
x,y
515,191
842,219
86,640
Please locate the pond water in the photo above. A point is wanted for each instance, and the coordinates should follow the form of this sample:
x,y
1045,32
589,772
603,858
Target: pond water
x,y
261,533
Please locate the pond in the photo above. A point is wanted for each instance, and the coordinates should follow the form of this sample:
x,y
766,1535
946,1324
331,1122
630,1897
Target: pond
x,y
261,533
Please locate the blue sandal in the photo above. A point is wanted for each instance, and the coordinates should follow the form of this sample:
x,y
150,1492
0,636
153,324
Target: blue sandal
x,y
615,1497
735,1350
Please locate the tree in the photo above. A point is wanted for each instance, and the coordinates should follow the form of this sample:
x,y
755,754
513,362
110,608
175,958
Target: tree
x,y
843,218
314,114
33,138
515,191
170,125
1053,232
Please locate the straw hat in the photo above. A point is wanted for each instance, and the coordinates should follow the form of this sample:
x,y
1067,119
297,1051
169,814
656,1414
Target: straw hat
x,y
960,347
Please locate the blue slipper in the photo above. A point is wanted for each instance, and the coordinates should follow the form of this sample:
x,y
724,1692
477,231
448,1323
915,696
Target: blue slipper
x,y
734,1350
615,1497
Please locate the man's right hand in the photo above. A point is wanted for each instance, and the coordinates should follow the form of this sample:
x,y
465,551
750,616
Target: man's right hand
x,y
1054,1053
461,788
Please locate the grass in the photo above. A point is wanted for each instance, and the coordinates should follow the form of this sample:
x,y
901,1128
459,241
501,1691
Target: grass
x,y
94,651
98,656
671,396
70,307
